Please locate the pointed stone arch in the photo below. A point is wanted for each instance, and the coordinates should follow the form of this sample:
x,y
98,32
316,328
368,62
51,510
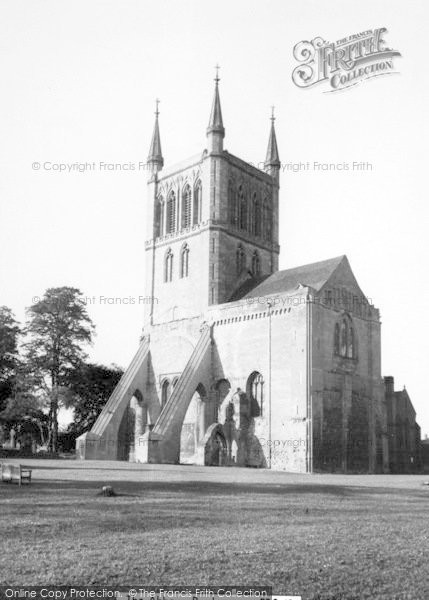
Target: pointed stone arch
x,y
171,213
193,426
165,392
345,338
222,389
186,206
197,203
184,260
159,216
255,392
168,265
133,425
215,447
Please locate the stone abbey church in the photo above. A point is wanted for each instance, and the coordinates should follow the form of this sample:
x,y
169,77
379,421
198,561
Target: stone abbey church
x,y
241,364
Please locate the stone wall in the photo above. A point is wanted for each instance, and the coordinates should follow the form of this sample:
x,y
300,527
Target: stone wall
x,y
348,411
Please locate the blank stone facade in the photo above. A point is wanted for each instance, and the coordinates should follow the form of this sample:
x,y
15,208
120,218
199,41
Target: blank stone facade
x,y
241,364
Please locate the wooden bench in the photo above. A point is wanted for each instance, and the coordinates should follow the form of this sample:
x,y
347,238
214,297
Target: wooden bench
x,y
15,474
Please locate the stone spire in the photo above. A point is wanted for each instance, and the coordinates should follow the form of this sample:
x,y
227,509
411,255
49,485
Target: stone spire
x,y
215,129
155,160
272,160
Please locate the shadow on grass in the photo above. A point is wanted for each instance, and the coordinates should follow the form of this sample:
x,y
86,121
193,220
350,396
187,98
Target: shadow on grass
x,y
204,488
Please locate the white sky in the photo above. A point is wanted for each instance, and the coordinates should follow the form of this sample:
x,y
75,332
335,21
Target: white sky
x,y
79,81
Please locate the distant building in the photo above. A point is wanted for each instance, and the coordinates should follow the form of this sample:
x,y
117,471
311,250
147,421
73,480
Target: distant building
x,y
403,432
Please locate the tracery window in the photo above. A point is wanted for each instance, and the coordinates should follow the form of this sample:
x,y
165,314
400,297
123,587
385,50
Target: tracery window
x,y
159,216
242,207
337,339
232,204
197,208
240,259
345,339
184,261
165,392
186,206
168,265
351,343
257,219
256,264
267,223
171,213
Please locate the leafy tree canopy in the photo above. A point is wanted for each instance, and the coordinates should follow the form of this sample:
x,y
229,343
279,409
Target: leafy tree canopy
x,y
57,328
9,335
92,385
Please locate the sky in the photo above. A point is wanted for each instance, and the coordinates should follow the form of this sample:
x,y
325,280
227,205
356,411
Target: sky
x,y
79,82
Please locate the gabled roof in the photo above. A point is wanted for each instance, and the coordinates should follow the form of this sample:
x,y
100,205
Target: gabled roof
x,y
314,275
245,287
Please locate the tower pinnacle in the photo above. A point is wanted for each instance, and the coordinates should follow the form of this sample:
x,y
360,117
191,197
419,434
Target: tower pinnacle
x,y
272,160
215,129
155,159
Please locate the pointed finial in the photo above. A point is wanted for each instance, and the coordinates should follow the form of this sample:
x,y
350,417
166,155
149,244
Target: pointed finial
x,y
215,122
217,79
155,158
272,161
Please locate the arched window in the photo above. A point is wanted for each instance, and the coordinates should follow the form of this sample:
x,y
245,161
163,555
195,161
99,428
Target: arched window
x,y
255,390
197,203
256,264
343,338
232,209
266,222
168,265
351,343
240,259
257,219
242,207
252,215
141,414
159,216
165,392
337,339
174,382
171,213
186,206
184,261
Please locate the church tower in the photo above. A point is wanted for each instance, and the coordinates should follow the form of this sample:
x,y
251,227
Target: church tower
x,y
212,224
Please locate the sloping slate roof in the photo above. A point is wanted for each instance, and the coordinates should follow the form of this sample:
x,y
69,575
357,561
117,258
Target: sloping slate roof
x,y
247,286
314,275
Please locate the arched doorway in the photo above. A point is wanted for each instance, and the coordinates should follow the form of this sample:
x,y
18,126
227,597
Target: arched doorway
x,y
133,425
193,427
215,449
222,388
255,392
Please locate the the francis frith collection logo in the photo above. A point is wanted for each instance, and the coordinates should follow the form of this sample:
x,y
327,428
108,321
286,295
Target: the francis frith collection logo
x,y
344,63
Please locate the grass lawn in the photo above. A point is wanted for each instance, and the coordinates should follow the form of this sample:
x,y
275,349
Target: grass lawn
x,y
322,536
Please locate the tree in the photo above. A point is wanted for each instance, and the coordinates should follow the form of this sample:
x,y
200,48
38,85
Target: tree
x,y
58,326
9,335
24,414
92,386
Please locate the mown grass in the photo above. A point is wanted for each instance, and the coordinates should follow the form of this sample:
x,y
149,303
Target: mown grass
x,y
318,538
